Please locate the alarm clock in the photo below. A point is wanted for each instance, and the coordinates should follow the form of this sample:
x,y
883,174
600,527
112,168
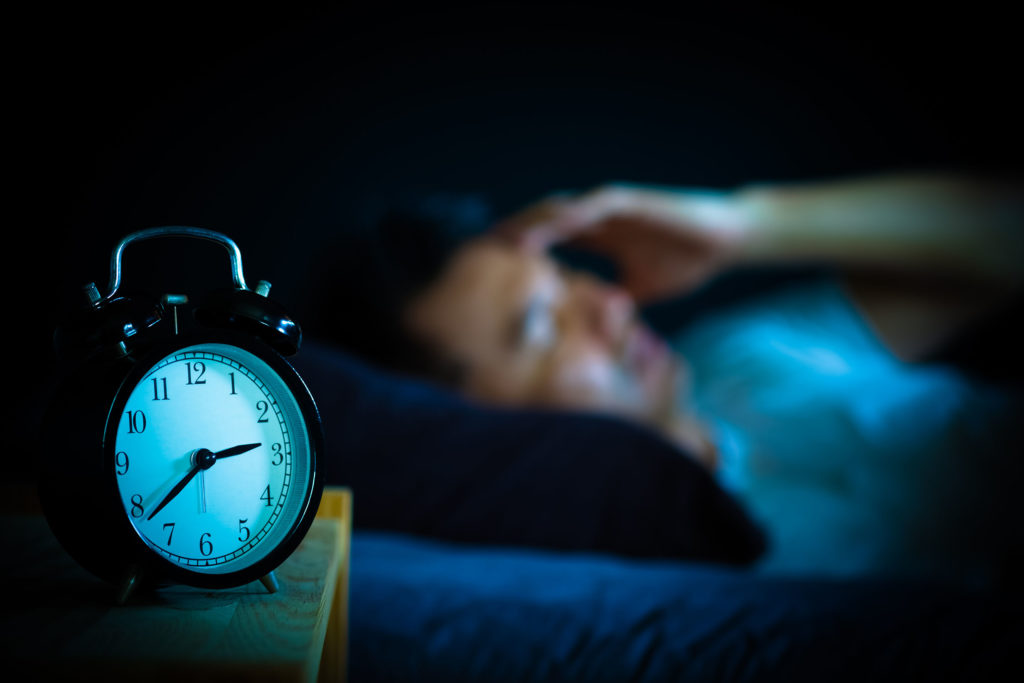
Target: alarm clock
x,y
180,446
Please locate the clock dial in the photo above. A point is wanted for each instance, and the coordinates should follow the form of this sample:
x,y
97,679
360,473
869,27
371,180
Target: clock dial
x,y
212,458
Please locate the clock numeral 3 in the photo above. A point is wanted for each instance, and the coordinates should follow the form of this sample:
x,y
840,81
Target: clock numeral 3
x,y
278,454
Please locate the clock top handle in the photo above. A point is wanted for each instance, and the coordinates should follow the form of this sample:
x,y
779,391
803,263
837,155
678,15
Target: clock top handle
x,y
177,231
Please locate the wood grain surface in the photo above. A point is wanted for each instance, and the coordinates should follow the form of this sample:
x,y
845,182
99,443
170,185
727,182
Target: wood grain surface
x,y
59,621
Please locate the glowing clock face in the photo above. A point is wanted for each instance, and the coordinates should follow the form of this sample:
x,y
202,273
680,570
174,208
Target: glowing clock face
x,y
212,458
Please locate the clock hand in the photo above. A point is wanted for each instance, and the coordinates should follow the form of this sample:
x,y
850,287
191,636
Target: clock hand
x,y
204,460
177,488
236,450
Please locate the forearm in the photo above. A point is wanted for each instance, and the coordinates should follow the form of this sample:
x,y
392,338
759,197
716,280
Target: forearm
x,y
944,226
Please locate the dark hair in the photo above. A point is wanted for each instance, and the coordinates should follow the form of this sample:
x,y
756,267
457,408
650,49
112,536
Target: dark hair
x,y
373,271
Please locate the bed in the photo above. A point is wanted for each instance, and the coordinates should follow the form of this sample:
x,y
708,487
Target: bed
x,y
492,545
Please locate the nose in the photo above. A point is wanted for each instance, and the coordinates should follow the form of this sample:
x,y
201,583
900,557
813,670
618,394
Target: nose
x,y
609,310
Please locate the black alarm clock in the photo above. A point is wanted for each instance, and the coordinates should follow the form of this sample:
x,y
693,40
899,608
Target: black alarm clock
x,y
180,446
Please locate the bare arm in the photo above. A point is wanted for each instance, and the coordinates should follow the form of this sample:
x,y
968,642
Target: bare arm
x,y
952,227
925,255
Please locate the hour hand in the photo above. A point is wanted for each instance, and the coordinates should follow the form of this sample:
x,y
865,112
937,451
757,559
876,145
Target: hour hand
x,y
236,450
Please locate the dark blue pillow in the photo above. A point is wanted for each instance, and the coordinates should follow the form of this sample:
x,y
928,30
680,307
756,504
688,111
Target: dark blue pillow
x,y
421,460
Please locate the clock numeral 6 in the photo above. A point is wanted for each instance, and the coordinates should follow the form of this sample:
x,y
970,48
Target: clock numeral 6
x,y
205,546
136,421
121,461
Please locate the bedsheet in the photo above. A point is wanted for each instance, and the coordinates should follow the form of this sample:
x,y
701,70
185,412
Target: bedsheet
x,y
434,611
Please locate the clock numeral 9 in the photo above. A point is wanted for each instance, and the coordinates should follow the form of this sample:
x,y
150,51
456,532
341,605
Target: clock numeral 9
x,y
200,370
205,546
137,510
278,454
121,461
136,421
243,531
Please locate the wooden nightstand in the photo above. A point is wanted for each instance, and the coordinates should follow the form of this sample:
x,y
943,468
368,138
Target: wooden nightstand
x,y
58,621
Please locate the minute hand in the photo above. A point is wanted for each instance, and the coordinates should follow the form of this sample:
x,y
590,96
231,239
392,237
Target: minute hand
x,y
176,490
204,460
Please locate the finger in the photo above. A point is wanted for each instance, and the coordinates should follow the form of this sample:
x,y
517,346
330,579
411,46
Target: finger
x,y
534,231
546,223
536,212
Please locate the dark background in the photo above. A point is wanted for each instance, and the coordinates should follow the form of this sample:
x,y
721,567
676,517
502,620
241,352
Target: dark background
x,y
283,131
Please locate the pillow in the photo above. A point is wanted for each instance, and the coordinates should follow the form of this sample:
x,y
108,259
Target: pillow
x,y
424,461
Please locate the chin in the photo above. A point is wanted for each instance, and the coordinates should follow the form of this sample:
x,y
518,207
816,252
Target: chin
x,y
663,388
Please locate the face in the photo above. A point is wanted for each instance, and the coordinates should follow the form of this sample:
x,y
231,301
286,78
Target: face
x,y
528,332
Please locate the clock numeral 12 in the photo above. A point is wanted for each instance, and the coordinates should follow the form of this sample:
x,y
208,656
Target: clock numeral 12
x,y
200,369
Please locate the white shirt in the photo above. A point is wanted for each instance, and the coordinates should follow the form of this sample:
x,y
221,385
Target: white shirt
x,y
854,462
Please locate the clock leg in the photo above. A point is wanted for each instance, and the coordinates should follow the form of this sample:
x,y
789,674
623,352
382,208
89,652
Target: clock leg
x,y
128,586
269,582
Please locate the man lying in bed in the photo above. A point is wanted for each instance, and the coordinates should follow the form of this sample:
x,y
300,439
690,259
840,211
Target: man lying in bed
x,y
809,403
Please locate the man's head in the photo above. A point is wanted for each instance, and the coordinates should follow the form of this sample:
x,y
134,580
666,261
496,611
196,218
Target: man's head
x,y
524,331
501,323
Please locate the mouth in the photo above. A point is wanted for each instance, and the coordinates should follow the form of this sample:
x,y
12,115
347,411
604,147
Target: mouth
x,y
644,351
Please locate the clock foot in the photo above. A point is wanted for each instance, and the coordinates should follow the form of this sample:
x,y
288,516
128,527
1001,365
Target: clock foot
x,y
269,582
128,586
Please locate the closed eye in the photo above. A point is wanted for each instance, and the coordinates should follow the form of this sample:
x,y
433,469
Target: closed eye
x,y
536,327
